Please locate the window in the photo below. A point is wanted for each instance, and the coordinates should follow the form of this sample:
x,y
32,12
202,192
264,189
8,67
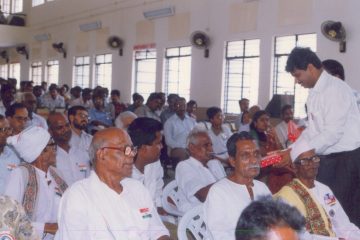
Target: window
x,y
283,82
52,72
103,70
14,72
145,72
37,2
241,73
16,6
36,72
82,72
4,71
178,71
6,7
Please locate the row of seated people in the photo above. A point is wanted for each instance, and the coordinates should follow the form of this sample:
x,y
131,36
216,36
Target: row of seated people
x,y
108,204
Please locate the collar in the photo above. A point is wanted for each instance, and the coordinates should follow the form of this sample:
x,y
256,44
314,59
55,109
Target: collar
x,y
321,83
196,162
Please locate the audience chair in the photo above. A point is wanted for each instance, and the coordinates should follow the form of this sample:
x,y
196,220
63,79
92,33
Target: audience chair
x,y
192,225
171,199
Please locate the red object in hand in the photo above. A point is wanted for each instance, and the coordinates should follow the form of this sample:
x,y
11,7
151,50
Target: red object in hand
x,y
293,131
270,160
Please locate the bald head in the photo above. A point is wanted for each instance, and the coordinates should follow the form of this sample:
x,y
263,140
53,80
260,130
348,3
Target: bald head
x,y
59,127
113,137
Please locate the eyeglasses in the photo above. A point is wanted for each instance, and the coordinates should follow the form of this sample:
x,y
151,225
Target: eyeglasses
x,y
247,155
307,161
20,118
5,129
129,151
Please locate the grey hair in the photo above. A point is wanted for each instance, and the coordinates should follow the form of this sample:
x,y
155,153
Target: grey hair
x,y
192,138
24,94
119,120
94,147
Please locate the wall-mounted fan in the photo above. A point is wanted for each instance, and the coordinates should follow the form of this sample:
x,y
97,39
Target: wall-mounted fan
x,y
201,40
114,42
335,31
60,48
23,51
4,54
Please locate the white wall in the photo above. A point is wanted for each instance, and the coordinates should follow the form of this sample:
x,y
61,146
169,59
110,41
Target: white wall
x,y
267,18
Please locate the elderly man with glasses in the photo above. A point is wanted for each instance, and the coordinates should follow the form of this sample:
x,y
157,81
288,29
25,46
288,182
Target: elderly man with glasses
x,y
36,183
109,204
230,196
325,217
8,159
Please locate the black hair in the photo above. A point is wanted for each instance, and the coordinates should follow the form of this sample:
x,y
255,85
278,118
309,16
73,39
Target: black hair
x,y
10,111
53,86
334,67
242,116
86,91
231,142
6,87
136,97
73,110
153,96
300,58
115,92
261,135
212,111
191,103
243,99
142,131
257,219
285,107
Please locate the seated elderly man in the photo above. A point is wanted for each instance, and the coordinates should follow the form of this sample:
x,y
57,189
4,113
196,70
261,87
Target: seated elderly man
x,y
108,204
125,119
18,226
228,197
325,217
36,183
193,176
8,159
268,219
72,162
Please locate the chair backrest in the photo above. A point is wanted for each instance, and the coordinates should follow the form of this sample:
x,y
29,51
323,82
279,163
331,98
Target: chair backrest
x,y
192,223
170,192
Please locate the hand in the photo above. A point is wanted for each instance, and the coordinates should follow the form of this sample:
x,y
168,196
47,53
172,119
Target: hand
x,y
50,228
285,159
162,211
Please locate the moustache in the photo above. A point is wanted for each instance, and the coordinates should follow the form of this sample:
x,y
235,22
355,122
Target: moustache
x,y
253,166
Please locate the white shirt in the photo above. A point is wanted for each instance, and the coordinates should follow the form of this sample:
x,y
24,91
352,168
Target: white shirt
x,y
145,111
191,176
90,210
176,130
74,165
80,102
50,103
47,202
224,204
152,178
333,116
282,133
8,162
219,141
38,121
80,141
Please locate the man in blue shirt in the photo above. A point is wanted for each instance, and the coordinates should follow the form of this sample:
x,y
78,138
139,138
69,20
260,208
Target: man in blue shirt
x,y
99,118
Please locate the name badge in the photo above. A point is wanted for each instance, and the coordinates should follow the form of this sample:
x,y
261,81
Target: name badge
x,y
82,167
330,199
11,166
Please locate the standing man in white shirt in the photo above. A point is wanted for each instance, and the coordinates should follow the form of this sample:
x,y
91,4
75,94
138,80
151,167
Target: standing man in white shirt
x,y
8,159
193,176
333,128
109,204
72,162
228,197
176,130
79,118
